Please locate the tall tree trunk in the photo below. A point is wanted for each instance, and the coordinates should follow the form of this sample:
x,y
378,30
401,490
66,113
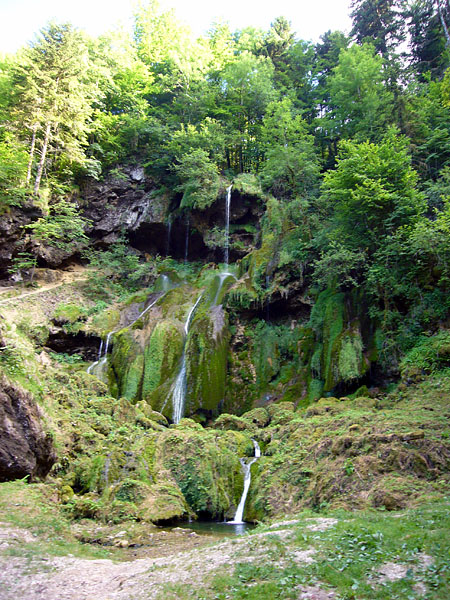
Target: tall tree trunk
x,y
40,169
33,146
444,24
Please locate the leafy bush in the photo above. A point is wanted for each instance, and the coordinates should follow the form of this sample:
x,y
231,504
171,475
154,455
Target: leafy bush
x,y
118,269
430,354
200,180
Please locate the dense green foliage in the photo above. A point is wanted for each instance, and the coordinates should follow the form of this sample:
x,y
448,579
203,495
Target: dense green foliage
x,y
342,145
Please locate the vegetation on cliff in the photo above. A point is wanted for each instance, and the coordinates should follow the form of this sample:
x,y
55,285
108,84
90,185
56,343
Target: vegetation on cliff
x,y
326,339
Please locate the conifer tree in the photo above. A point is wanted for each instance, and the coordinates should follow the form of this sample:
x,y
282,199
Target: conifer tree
x,y
53,96
380,22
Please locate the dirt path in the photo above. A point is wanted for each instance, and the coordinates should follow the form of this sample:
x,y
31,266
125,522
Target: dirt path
x,y
70,578
67,277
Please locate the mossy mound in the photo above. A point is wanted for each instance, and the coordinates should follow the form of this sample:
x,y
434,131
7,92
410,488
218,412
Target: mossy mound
x,y
206,361
161,357
391,452
205,465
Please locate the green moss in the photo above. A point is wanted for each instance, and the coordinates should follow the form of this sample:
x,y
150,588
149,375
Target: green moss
x,y
362,391
241,296
131,387
163,502
350,358
430,354
161,356
205,465
69,312
105,321
337,354
206,360
128,363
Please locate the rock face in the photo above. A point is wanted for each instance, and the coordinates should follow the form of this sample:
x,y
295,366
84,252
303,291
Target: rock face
x,y
24,447
11,231
127,201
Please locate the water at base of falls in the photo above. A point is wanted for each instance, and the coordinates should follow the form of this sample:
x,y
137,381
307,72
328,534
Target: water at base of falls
x,y
247,479
216,528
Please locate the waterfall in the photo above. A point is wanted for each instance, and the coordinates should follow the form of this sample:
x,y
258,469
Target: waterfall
x,y
247,479
222,277
146,309
180,386
186,241
104,347
227,225
102,354
165,282
169,233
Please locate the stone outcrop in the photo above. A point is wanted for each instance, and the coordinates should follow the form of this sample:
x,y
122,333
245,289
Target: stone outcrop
x,y
127,201
11,232
25,449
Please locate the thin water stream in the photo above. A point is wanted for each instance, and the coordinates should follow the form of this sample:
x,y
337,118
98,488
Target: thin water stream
x,y
98,365
180,386
247,480
227,225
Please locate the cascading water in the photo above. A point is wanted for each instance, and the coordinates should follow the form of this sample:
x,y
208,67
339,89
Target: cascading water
x,y
102,355
180,386
247,479
165,283
227,225
98,365
222,277
169,235
146,309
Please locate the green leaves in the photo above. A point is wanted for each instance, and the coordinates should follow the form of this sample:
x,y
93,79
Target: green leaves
x,y
360,103
62,228
13,166
200,180
372,192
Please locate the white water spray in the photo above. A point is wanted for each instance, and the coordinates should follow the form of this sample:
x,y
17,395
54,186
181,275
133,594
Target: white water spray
x,y
247,479
227,225
222,278
180,386
104,346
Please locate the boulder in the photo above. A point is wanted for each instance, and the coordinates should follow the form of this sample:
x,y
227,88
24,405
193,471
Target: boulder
x,y
25,449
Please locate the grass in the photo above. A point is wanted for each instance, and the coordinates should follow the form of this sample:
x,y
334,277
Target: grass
x,y
348,559
34,508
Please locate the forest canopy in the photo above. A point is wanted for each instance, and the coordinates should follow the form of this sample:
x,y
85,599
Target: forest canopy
x,y
347,139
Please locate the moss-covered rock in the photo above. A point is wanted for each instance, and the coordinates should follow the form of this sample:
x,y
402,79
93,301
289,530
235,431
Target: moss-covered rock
x,y
161,356
337,357
206,361
205,465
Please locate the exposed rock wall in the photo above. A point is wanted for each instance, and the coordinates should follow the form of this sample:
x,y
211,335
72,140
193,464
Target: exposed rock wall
x,y
11,231
25,449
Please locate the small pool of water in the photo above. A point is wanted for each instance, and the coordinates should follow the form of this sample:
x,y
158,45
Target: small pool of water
x,y
214,528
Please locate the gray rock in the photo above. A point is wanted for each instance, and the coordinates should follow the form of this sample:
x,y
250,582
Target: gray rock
x,y
25,449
